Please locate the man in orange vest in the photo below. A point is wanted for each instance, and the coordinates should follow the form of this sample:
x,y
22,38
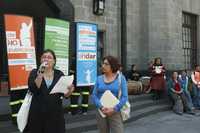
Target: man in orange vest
x,y
196,86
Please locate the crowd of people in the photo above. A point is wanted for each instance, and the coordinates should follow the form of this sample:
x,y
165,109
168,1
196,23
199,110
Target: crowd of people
x,y
182,87
46,112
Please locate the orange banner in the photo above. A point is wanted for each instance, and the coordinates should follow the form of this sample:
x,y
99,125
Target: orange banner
x,y
20,49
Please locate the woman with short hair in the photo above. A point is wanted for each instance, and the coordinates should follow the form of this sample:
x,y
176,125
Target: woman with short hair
x,y
109,80
46,112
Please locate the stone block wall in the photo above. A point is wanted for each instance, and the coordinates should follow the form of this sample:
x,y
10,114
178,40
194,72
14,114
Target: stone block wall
x,y
155,30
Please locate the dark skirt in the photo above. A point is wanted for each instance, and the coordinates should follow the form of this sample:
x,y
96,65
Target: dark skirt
x,y
158,83
44,123
46,118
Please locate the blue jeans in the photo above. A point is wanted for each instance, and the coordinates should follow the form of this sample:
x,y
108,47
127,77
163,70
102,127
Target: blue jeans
x,y
196,97
180,103
189,99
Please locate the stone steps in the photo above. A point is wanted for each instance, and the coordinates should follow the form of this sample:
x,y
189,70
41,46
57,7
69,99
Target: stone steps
x,y
141,106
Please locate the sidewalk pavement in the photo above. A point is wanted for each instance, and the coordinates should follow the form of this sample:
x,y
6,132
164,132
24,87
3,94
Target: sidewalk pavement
x,y
164,122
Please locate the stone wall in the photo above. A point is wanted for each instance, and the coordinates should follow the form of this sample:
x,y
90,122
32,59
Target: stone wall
x,y
155,30
109,22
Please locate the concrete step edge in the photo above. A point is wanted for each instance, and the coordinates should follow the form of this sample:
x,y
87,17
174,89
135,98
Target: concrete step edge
x,y
91,124
134,106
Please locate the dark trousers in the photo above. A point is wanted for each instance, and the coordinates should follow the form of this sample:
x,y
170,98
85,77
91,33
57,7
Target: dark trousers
x,y
157,94
16,100
82,92
196,96
180,103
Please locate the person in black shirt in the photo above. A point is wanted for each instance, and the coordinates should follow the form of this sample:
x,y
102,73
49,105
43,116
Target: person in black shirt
x,y
134,84
46,114
133,74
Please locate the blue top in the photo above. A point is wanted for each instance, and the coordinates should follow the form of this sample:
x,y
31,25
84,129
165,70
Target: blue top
x,y
184,82
48,82
100,87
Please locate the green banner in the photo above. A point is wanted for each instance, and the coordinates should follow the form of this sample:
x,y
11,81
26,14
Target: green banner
x,y
57,39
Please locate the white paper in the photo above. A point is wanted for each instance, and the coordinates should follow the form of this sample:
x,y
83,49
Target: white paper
x,y
158,69
101,113
63,83
108,100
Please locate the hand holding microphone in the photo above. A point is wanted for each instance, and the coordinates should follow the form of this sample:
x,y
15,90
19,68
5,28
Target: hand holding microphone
x,y
40,74
42,68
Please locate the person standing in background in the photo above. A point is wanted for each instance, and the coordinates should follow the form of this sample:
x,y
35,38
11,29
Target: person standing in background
x,y
157,83
16,100
82,92
196,86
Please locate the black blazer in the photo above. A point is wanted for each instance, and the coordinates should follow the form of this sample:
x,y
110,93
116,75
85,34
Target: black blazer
x,y
42,101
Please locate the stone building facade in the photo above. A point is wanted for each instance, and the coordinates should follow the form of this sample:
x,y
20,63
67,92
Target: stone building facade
x,y
154,29
108,24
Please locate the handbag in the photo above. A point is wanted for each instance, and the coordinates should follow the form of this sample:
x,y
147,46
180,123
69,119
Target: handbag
x,y
126,109
22,116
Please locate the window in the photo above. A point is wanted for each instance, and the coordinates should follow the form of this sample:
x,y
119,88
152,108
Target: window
x,y
189,40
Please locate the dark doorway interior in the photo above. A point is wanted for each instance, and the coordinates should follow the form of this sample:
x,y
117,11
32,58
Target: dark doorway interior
x,y
100,50
38,9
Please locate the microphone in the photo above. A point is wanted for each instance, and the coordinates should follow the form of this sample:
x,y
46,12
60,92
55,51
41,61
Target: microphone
x,y
42,67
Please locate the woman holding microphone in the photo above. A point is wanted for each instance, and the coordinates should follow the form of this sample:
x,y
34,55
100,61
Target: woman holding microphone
x,y
46,113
